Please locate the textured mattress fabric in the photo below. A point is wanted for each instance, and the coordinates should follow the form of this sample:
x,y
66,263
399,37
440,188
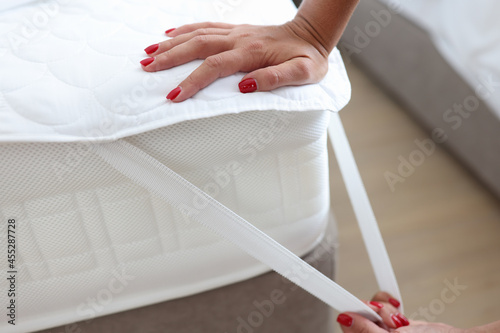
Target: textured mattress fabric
x,y
91,242
234,306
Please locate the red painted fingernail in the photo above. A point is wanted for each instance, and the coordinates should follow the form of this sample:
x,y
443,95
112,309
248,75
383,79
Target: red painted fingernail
x,y
394,302
344,320
169,31
403,319
174,93
377,304
147,61
247,86
151,48
396,321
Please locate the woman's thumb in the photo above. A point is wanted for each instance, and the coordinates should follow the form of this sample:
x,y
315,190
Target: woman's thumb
x,y
296,71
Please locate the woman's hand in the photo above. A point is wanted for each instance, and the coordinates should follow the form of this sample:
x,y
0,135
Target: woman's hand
x,y
362,325
274,56
293,53
393,321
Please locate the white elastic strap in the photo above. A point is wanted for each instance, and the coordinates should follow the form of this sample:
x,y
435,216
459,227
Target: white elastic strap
x,y
159,179
377,252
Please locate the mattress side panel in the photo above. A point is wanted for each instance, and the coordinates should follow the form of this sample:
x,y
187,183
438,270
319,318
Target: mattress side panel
x,y
93,243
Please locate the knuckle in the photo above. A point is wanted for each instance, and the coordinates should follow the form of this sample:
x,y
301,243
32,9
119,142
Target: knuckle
x,y
380,295
202,31
242,35
254,46
274,78
212,24
163,58
165,55
166,45
214,62
190,82
201,40
303,66
305,71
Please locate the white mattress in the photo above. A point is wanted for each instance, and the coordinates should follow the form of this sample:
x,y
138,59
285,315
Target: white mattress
x,y
92,49
76,82
467,33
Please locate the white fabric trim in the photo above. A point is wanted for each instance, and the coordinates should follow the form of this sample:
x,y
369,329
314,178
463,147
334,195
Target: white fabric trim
x,y
199,206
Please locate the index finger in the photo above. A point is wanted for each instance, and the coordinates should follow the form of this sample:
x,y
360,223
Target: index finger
x,y
214,67
354,323
382,296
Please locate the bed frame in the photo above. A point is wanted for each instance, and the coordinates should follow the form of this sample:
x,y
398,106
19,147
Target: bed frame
x,y
402,58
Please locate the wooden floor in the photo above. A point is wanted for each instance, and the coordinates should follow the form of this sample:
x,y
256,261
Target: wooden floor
x,y
439,225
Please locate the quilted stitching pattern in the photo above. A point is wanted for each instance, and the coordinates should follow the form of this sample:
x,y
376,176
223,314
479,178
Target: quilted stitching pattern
x,y
70,70
70,73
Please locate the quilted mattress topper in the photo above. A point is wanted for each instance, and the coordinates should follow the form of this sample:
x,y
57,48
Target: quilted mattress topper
x,y
70,69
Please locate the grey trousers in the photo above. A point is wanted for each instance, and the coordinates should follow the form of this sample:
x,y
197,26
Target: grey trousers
x,y
265,304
